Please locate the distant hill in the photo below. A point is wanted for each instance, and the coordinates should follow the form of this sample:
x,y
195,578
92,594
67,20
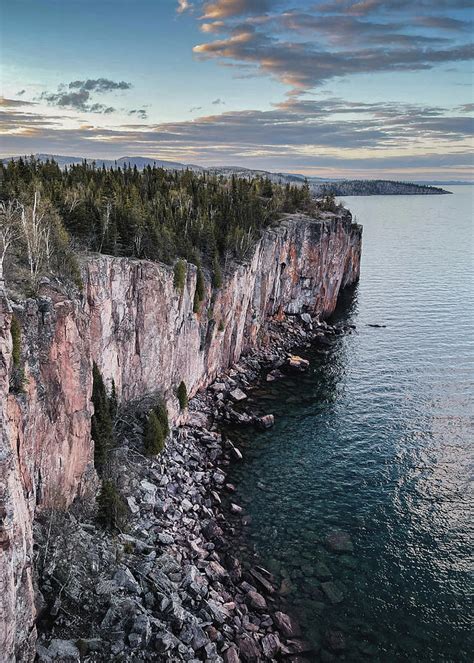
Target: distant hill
x,y
375,188
319,185
139,162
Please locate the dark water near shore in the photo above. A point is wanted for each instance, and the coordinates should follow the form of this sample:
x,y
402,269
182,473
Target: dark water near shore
x,y
377,441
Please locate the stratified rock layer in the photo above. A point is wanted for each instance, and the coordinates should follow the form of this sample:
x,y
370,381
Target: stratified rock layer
x,y
143,334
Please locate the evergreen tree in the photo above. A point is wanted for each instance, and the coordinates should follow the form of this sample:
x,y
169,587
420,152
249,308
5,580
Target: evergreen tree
x,y
101,424
182,394
154,436
162,414
111,509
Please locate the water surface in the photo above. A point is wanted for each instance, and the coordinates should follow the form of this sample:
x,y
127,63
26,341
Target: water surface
x,y
376,441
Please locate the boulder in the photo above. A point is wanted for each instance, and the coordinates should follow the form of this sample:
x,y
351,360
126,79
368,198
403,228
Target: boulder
x,y
286,625
297,363
238,395
271,645
265,422
64,651
249,649
256,600
231,656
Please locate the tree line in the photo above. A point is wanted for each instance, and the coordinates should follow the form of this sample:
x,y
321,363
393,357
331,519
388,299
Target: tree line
x,y
151,213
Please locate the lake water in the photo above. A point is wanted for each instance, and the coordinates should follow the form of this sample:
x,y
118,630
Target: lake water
x,y
377,441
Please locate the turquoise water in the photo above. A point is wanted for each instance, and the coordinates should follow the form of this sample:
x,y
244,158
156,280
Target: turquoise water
x,y
377,442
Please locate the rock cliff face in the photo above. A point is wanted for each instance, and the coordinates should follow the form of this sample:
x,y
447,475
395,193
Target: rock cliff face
x,y
143,334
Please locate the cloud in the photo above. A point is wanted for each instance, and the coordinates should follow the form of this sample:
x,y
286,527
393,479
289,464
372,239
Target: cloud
x,y
304,49
225,8
302,66
20,93
139,112
364,7
77,94
100,85
183,6
297,134
193,109
444,23
11,103
218,102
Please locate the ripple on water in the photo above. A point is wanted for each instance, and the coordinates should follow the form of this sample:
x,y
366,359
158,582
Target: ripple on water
x,y
376,441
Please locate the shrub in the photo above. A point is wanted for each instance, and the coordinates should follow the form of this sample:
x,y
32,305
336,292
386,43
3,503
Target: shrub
x,y
182,394
111,509
162,414
101,424
15,330
180,275
154,437
200,290
221,326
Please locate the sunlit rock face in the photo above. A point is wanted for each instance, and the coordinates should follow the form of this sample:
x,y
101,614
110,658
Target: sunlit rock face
x,y
143,334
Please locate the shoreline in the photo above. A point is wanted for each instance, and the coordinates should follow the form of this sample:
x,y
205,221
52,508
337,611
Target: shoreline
x,y
170,588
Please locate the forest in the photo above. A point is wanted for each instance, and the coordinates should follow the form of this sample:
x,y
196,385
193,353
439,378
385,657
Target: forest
x,y
48,214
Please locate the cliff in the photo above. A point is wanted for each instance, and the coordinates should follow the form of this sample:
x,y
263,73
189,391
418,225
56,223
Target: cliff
x,y
142,333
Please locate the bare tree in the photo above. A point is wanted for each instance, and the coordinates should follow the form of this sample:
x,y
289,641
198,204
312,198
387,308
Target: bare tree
x,y
74,197
10,213
36,224
105,227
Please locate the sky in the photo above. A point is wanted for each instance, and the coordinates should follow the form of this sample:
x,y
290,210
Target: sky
x,y
330,88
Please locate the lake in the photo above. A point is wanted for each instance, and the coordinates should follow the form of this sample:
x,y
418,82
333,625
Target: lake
x,y
376,442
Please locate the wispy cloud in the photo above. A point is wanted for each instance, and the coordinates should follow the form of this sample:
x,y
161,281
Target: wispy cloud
x,y
225,8
298,134
138,112
304,49
11,103
183,6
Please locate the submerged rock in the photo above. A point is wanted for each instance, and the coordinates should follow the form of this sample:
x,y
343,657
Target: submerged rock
x,y
332,592
265,422
286,625
339,541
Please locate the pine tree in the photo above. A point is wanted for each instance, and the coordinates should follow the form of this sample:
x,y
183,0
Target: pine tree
x,y
101,424
111,509
182,394
162,414
154,436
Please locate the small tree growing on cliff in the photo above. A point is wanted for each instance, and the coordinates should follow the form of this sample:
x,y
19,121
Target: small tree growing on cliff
x,y
101,425
200,290
17,379
182,394
15,331
154,437
180,275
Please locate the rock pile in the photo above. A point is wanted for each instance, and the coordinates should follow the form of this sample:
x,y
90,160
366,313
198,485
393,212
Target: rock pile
x,y
170,587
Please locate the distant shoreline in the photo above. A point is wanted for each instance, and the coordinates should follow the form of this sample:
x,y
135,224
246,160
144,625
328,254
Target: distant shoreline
x,y
319,185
